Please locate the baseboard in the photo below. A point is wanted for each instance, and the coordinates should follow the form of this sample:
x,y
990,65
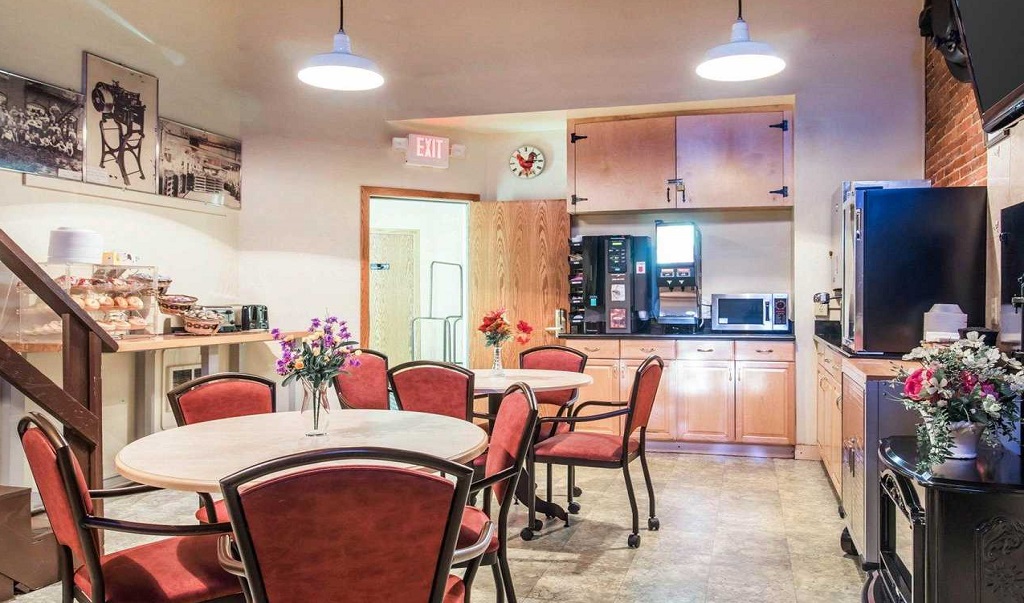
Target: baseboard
x,y
749,450
806,452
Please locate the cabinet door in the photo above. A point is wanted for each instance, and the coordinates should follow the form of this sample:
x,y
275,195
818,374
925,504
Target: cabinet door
x,y
853,449
765,403
624,165
662,425
836,439
823,423
604,388
731,160
706,400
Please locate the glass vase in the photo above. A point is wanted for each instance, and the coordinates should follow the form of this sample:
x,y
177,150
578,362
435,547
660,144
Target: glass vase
x,y
316,408
966,436
496,367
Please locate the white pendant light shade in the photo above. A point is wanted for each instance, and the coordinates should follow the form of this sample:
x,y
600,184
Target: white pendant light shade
x,y
340,69
741,59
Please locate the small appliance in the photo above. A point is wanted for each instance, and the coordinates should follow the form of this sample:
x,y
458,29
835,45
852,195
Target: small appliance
x,y
610,284
677,259
252,317
750,312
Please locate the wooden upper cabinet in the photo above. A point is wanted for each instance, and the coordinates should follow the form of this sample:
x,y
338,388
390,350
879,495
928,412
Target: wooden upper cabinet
x,y
732,160
706,411
624,165
661,425
765,408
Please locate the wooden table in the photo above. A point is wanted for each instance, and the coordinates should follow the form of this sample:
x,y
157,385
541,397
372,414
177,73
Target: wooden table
x,y
194,458
492,384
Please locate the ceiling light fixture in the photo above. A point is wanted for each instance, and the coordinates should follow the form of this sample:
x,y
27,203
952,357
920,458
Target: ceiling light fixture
x,y
741,59
340,69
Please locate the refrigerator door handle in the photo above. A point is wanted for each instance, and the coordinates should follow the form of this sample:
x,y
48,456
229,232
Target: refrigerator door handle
x,y
858,223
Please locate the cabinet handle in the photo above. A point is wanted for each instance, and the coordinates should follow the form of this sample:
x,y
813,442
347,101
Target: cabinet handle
x,y
827,360
590,349
768,351
839,401
706,350
648,350
615,371
730,374
668,195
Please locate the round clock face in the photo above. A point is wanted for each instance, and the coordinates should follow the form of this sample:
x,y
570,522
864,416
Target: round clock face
x,y
526,162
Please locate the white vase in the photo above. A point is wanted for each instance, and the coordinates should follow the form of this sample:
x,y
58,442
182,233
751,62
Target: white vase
x,y
496,366
965,436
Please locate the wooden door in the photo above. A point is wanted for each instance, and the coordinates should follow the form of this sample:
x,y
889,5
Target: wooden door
x,y
706,400
765,403
731,160
624,164
662,425
823,420
394,291
517,256
835,440
853,448
605,388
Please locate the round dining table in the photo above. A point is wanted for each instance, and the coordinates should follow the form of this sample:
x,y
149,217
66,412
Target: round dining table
x,y
494,383
194,458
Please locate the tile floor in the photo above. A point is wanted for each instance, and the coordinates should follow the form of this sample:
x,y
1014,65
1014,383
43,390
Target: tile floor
x,y
732,529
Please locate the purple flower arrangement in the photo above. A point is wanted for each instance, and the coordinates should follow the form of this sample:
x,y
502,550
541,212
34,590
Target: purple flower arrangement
x,y
318,357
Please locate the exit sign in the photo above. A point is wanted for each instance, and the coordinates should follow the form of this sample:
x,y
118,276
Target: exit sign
x,y
427,151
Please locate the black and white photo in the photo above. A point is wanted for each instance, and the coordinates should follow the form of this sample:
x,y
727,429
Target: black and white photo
x,y
121,137
40,128
200,165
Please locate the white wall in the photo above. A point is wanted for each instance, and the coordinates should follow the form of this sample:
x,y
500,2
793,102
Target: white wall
x,y
502,185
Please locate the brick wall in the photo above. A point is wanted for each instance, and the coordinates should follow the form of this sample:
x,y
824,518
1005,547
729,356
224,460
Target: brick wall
x,y
954,148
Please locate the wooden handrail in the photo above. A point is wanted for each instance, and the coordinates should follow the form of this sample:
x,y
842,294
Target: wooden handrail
x,y
36,279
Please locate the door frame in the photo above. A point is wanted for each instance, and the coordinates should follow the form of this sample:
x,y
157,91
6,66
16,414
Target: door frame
x,y
366,193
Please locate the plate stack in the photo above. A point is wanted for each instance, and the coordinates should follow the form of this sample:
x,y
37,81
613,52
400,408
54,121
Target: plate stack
x,y
75,246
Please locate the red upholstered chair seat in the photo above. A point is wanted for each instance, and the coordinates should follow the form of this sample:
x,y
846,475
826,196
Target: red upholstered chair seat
x,y
584,446
218,507
179,570
473,522
455,590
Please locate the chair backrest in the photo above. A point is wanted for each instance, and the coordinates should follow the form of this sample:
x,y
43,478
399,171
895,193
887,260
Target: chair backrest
x,y
222,396
365,385
64,491
438,388
641,397
375,532
554,358
511,437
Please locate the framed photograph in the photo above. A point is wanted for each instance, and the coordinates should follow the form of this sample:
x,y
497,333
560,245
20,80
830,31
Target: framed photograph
x,y
121,137
200,165
40,128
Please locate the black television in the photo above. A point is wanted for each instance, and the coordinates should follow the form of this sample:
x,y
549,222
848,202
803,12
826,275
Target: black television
x,y
991,33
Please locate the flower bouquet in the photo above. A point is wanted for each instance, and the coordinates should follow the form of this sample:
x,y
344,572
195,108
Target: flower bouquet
x,y
315,360
497,329
962,391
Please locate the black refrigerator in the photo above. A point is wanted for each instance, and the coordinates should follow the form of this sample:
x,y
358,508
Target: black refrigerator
x,y
905,250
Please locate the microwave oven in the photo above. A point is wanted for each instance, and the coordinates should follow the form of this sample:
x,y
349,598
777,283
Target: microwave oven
x,y
750,312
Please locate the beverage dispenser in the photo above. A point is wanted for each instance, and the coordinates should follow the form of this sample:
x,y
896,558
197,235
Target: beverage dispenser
x,y
678,270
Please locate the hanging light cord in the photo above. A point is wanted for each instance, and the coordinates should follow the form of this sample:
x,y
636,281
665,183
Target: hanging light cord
x,y
341,15
740,16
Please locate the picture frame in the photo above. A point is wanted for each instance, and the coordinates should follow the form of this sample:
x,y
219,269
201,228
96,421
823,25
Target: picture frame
x,y
121,124
199,165
40,127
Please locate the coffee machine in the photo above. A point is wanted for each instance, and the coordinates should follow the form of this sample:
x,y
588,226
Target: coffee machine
x,y
677,309
610,284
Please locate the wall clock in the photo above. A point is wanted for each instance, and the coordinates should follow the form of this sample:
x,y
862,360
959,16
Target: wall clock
x,y
526,162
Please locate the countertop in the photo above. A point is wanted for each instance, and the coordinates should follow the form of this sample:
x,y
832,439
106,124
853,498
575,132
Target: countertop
x,y
148,343
863,369
787,336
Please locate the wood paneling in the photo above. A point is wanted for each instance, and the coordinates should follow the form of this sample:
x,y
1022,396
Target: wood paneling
x,y
706,408
731,160
764,403
624,165
365,193
517,252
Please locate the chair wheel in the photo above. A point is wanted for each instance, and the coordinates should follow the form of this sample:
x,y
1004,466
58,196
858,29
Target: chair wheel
x,y
526,534
549,516
577,491
633,541
538,525
574,508
653,524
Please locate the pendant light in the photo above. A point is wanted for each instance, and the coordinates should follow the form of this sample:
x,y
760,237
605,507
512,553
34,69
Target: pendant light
x,y
741,59
340,69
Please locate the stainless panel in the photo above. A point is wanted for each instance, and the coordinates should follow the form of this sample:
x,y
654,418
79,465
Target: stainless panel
x,y
768,303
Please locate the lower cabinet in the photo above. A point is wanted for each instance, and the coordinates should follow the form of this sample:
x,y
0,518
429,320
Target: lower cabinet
x,y
662,424
764,408
706,400
605,388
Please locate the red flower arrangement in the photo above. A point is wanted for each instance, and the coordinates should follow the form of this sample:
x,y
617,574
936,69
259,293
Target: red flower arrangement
x,y
497,329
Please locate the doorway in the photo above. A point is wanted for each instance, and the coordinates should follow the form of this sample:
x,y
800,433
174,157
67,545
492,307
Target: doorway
x,y
415,271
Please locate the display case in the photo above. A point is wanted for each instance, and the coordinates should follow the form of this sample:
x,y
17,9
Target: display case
x,y
121,298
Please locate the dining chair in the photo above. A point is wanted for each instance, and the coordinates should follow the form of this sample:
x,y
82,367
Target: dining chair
x,y
359,531
511,439
181,568
220,396
438,388
584,449
366,385
556,358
